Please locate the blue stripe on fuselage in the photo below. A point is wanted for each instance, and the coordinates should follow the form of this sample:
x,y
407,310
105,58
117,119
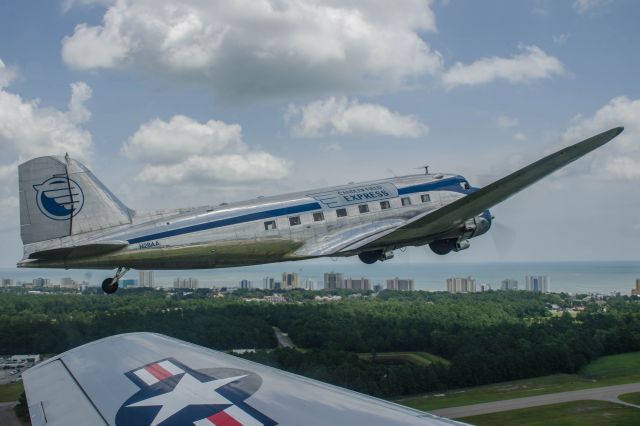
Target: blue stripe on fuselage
x,y
451,184
229,221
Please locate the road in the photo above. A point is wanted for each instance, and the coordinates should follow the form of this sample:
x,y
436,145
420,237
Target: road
x,y
284,341
607,393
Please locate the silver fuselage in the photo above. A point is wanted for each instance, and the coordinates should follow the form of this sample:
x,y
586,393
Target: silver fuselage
x,y
243,233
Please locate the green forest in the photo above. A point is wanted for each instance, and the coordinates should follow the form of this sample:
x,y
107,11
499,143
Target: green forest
x,y
486,337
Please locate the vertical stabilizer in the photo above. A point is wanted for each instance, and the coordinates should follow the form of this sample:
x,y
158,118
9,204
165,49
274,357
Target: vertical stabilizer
x,y
60,197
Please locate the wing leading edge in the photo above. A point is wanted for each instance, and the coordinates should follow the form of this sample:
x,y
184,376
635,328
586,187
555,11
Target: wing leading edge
x,y
444,219
150,379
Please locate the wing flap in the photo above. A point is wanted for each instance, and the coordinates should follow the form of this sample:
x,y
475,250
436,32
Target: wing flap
x,y
444,219
55,397
332,243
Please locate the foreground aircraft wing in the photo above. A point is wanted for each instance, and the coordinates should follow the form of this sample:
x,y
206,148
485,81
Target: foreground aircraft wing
x,y
150,379
444,219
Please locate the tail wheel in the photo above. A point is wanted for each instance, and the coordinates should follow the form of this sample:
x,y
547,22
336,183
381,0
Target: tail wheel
x,y
109,286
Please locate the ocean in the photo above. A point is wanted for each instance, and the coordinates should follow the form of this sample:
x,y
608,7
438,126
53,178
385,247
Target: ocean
x,y
572,277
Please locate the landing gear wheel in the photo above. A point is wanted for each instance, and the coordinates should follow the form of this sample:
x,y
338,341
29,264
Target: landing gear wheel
x,y
370,257
442,247
109,286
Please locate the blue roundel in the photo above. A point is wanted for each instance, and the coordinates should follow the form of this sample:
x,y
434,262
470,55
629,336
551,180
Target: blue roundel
x,y
59,198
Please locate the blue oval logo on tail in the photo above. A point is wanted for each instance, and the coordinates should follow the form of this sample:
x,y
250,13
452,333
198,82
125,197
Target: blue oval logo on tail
x,y
59,198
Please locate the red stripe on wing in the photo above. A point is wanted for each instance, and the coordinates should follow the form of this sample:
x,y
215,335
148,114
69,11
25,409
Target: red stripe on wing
x,y
223,419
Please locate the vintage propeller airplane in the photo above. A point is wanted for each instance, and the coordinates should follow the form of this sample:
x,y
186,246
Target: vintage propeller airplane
x,y
69,219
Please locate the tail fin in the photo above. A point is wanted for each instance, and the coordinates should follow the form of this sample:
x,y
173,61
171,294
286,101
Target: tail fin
x,y
60,197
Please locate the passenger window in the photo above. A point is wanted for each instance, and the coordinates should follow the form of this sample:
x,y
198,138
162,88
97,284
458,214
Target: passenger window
x,y
318,217
384,205
425,198
294,220
270,224
363,208
406,201
341,212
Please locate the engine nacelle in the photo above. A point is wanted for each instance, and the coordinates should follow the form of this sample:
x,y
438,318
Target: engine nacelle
x,y
471,228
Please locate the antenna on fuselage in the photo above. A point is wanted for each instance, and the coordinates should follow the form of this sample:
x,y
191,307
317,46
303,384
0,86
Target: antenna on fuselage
x,y
426,169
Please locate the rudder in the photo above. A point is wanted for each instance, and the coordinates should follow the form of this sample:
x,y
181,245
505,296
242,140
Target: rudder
x,y
60,197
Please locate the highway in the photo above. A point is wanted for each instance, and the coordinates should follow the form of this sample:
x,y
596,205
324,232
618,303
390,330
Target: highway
x,y
607,393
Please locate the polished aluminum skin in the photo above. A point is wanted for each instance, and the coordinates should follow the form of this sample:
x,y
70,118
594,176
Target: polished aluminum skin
x,y
69,219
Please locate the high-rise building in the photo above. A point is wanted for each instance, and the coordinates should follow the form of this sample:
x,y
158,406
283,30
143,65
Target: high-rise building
x,y
269,283
146,278
461,285
290,280
400,284
7,282
309,284
246,284
485,287
634,292
41,282
537,283
377,287
333,280
357,284
68,282
189,283
509,284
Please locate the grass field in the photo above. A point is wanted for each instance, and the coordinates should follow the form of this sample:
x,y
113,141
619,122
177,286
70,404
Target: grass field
x,y
565,414
631,398
10,392
416,358
609,370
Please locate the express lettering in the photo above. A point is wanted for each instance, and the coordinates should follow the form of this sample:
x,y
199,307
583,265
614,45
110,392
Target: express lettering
x,y
366,196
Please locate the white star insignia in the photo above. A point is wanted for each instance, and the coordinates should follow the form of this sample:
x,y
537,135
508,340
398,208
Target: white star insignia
x,y
188,391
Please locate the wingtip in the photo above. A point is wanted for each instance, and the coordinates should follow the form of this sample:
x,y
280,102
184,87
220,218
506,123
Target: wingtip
x,y
619,130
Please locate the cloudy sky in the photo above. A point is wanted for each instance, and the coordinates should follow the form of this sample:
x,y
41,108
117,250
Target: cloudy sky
x,y
197,102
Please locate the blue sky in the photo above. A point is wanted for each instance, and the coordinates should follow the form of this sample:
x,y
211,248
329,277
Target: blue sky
x,y
197,102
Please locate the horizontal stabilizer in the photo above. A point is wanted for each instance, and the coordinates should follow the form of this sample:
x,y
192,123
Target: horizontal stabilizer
x,y
448,217
79,251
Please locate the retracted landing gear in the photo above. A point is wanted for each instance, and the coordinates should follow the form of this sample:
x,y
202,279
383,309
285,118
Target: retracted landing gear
x,y
110,285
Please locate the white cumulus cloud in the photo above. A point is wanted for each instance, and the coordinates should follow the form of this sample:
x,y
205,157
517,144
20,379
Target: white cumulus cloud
x,y
263,48
340,116
622,158
183,150
532,64
28,129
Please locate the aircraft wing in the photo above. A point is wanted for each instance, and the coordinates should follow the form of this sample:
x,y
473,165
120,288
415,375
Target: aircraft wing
x,y
456,213
151,379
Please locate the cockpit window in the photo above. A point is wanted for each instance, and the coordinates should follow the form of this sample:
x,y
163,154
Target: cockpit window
x,y
465,185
